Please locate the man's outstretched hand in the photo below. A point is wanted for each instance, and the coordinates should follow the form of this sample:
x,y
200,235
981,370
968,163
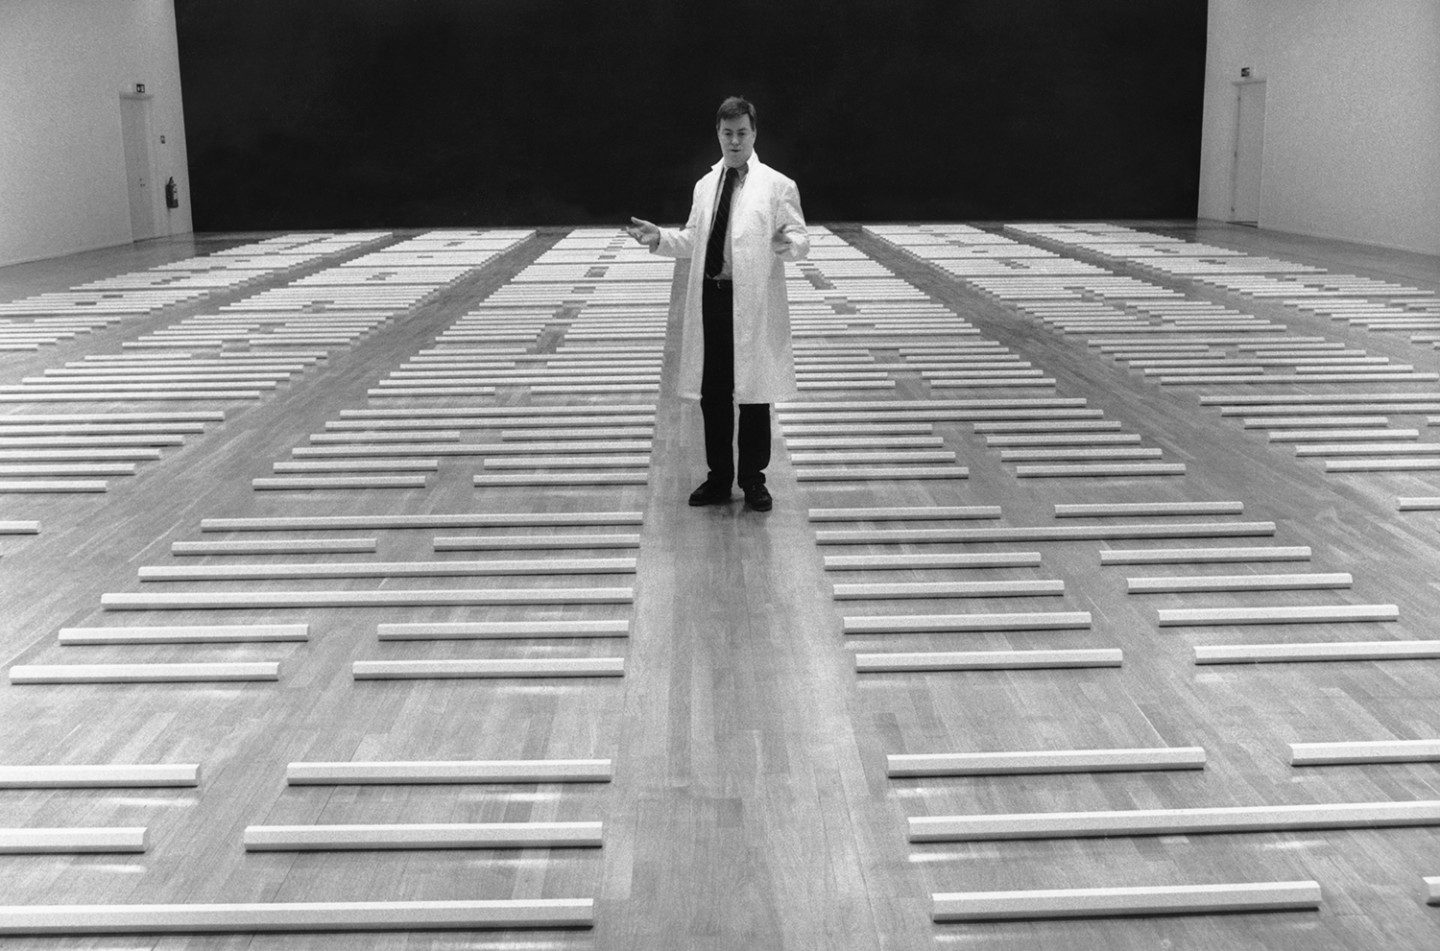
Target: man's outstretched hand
x,y
644,232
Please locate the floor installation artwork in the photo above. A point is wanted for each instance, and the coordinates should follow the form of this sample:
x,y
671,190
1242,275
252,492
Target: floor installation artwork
x,y
349,595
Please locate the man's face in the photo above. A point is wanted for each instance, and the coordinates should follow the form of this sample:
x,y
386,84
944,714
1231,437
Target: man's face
x,y
737,141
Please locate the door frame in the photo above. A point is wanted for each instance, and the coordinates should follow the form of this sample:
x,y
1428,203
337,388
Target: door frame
x,y
1240,85
147,162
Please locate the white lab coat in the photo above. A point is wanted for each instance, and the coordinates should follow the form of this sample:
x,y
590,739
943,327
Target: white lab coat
x,y
769,202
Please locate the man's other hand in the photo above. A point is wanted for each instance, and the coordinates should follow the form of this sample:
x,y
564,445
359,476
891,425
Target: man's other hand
x,y
644,232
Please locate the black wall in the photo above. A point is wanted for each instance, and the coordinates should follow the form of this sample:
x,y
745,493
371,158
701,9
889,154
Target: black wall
x,y
355,113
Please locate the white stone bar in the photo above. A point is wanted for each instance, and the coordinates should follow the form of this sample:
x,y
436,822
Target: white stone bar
x,y
908,662
621,477
948,589
892,457
19,528
942,415
534,542
1308,614
37,841
1300,399
63,469
967,623
1045,533
1118,470
909,513
423,772
341,483
871,473
1019,559
1296,582
1185,556
1212,820
453,835
490,630
1049,426
1026,762
384,569
102,776
613,409
1370,449
488,669
1062,439
452,520
1383,465
1080,453
296,917
232,672
569,462
445,449
1320,652
1116,509
226,600
188,634
1147,900
289,546
51,486
1332,435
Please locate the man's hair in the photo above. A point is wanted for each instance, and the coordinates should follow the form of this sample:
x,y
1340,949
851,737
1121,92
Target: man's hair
x,y
734,108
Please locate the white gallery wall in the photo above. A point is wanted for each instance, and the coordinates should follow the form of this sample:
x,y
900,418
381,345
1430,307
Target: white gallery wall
x,y
63,66
1352,116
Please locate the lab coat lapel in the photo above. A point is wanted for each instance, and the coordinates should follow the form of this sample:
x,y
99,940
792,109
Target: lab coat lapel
x,y
709,184
751,196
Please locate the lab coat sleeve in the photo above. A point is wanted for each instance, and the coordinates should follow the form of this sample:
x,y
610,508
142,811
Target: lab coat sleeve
x,y
791,221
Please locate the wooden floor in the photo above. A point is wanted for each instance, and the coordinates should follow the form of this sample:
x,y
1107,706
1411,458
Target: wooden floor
x,y
741,674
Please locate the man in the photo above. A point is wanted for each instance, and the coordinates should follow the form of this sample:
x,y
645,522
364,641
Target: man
x,y
744,221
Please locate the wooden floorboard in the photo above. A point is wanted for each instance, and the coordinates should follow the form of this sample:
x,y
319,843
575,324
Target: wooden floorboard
x,y
741,764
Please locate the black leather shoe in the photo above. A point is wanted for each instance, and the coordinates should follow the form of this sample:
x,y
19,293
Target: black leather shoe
x,y
710,493
758,497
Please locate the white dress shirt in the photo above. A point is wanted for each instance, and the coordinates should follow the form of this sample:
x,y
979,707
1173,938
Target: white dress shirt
x,y
725,271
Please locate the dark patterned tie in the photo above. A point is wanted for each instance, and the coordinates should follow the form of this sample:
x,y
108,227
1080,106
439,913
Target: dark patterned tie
x,y
715,246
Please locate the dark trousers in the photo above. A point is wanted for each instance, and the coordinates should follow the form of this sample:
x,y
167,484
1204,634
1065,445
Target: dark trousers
x,y
717,396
